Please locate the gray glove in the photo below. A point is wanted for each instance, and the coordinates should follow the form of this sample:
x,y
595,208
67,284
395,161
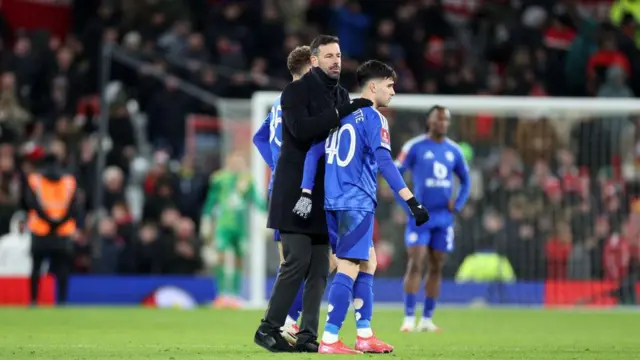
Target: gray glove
x,y
303,206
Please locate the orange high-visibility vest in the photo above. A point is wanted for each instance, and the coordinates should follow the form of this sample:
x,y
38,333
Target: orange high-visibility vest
x,y
54,196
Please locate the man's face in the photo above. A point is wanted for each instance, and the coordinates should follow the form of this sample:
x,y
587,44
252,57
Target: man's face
x,y
383,91
439,121
328,59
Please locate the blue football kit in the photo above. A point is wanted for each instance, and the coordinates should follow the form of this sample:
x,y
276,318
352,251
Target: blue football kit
x,y
432,165
268,140
353,154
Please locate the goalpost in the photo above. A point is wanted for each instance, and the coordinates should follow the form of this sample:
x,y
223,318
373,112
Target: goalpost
x,y
564,111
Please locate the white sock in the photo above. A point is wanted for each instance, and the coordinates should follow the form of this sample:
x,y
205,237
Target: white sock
x,y
364,333
329,338
289,321
409,319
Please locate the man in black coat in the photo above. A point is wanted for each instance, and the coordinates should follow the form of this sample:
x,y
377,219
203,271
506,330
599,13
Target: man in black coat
x,y
311,107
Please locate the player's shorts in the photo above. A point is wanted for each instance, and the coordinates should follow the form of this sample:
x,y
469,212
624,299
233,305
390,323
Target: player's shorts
x,y
350,233
226,240
439,238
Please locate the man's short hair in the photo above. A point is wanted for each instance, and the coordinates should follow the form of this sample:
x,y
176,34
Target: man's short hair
x,y
374,69
321,40
298,59
435,108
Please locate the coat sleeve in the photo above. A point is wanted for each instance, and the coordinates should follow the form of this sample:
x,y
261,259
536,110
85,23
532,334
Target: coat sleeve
x,y
295,115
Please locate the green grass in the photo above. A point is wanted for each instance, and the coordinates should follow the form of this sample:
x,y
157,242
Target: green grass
x,y
137,333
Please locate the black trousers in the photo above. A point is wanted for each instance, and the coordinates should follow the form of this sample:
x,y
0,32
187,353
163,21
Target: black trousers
x,y
58,251
306,259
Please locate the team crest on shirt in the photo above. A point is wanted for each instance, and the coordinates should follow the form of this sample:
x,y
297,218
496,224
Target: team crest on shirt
x,y
449,156
384,135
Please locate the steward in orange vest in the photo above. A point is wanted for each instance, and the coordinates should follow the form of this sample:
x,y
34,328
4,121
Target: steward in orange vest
x,y
51,202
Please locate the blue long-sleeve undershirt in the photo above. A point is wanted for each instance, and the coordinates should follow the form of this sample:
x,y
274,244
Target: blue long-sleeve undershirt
x,y
388,170
383,157
261,141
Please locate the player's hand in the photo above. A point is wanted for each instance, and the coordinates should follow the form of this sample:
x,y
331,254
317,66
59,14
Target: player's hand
x,y
418,211
346,109
303,206
452,206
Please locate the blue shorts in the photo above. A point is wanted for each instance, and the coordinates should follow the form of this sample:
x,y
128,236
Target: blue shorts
x,y
439,238
350,233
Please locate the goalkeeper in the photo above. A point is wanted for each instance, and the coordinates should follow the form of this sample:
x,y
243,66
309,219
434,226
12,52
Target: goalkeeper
x,y
231,192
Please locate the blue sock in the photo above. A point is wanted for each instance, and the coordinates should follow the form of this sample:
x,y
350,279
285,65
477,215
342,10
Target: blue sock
x,y
296,307
340,294
409,304
363,300
429,306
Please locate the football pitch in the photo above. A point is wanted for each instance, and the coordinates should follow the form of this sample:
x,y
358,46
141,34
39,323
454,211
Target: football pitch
x,y
139,333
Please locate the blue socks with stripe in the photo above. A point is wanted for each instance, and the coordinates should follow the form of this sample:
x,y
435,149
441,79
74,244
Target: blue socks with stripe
x,y
340,295
363,303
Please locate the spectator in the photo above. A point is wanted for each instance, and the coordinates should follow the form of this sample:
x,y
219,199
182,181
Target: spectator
x,y
186,258
558,250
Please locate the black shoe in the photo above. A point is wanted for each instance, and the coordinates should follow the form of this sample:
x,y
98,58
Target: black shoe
x,y
271,341
307,347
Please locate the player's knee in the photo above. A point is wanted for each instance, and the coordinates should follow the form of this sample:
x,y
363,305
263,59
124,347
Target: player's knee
x,y
435,269
414,267
370,265
333,263
280,253
350,267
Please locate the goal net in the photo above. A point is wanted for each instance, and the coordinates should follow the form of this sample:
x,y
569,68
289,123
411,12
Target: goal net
x,y
555,197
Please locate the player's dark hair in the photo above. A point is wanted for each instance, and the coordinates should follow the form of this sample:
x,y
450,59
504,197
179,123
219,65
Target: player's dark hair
x,y
321,40
298,59
374,69
431,110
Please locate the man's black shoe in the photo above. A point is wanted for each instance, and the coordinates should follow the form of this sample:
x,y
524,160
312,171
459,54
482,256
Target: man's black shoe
x,y
307,347
272,341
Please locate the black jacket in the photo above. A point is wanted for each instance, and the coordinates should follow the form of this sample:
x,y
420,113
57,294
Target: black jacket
x,y
308,114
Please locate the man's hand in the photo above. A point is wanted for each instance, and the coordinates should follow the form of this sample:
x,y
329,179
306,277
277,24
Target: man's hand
x,y
452,206
346,109
418,211
303,206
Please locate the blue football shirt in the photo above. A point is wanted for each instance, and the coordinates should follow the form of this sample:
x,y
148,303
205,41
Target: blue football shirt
x,y
432,165
275,135
350,165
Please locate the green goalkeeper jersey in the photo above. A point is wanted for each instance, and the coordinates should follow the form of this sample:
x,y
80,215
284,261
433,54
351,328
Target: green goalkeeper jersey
x,y
228,200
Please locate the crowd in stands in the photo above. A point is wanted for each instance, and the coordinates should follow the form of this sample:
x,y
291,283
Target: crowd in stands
x,y
557,200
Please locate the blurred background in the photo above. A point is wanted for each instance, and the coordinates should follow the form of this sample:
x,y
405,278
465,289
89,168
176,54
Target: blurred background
x,y
558,195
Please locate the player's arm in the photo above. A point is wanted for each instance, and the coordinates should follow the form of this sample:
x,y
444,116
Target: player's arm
x,y
379,139
461,170
261,142
407,157
254,197
311,166
305,127
213,196
304,204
